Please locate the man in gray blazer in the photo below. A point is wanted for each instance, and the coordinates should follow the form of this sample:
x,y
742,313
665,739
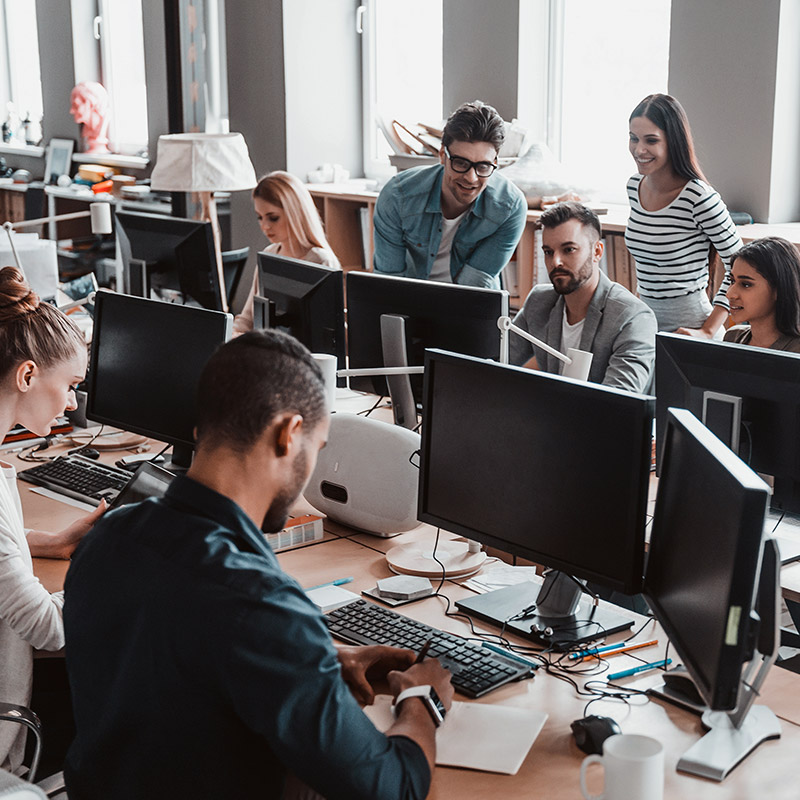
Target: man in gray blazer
x,y
583,308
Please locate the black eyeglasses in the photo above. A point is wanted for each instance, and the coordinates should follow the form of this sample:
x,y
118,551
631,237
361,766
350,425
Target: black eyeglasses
x,y
483,169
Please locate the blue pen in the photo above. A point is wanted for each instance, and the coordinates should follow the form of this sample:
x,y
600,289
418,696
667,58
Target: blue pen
x,y
513,656
337,582
593,651
626,673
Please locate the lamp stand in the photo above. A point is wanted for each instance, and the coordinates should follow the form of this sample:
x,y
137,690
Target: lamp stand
x,y
209,213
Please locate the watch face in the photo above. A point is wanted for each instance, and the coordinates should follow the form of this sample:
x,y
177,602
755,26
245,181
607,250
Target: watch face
x,y
435,707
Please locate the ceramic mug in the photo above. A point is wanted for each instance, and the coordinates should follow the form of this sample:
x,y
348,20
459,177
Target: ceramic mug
x,y
328,364
633,768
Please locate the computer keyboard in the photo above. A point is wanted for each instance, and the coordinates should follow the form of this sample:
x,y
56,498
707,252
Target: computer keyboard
x,y
78,477
475,669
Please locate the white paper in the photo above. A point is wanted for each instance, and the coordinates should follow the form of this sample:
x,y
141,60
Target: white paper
x,y
481,736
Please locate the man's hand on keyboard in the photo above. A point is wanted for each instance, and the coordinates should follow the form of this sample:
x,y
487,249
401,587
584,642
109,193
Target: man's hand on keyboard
x,y
430,672
365,667
63,543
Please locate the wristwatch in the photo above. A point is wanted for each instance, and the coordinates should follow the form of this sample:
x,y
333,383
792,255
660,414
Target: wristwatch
x,y
431,700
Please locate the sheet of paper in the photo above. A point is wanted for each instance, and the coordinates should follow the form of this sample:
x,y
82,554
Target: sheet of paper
x,y
481,736
500,576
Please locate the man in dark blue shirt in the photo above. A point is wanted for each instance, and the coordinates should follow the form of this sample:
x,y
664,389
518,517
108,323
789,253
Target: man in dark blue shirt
x,y
199,668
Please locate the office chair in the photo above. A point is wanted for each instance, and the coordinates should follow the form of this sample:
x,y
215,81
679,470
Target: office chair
x,y
233,262
14,788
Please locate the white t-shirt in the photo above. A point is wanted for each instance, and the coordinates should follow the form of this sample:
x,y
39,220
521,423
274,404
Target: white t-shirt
x,y
29,616
440,270
570,336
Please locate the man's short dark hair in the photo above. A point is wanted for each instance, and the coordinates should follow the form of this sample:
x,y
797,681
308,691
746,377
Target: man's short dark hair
x,y
563,212
474,122
251,380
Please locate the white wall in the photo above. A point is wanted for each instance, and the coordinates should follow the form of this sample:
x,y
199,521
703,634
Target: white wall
x,y
323,85
739,84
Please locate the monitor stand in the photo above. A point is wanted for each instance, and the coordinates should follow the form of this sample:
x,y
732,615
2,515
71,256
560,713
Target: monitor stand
x,y
564,617
179,461
735,734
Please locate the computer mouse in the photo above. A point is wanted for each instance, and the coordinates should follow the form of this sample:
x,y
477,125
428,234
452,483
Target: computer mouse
x,y
590,732
679,683
89,452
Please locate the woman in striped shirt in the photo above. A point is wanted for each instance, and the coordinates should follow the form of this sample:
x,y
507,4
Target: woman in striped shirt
x,y
675,217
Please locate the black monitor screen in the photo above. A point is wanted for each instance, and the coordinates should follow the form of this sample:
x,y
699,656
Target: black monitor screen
x,y
170,257
703,563
145,363
305,300
541,466
767,384
461,319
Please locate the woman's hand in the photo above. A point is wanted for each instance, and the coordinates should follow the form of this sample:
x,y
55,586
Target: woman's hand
x,y
696,333
363,667
62,544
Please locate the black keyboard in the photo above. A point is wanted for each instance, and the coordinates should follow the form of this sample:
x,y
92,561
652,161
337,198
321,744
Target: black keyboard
x,y
79,477
475,669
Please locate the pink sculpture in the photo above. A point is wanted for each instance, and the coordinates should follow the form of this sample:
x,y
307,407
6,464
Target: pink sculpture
x,y
89,107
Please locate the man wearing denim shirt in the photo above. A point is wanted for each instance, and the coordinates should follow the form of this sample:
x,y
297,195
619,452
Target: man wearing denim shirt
x,y
458,221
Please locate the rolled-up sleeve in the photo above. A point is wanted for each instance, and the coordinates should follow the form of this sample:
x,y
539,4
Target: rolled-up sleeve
x,y
390,250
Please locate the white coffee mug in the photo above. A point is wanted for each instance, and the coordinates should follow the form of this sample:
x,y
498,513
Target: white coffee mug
x,y
328,364
633,768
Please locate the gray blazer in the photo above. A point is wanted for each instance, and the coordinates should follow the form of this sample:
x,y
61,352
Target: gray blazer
x,y
620,331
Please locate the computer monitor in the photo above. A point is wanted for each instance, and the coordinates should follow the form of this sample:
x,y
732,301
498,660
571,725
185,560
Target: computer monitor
x,y
169,257
752,402
544,467
303,299
461,319
145,363
711,590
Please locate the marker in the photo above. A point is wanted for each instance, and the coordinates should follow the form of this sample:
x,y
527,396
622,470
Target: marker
x,y
423,652
532,665
612,650
626,673
337,582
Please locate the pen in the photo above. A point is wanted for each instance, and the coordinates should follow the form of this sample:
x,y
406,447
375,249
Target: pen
x,y
337,582
594,650
643,668
423,652
612,650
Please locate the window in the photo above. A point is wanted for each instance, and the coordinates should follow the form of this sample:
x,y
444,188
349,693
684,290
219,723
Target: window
x,y
20,82
122,61
604,58
402,68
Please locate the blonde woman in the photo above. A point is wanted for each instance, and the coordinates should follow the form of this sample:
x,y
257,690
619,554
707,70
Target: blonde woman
x,y
289,219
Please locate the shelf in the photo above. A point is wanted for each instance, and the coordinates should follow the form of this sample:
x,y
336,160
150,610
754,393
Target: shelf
x,y
111,160
22,150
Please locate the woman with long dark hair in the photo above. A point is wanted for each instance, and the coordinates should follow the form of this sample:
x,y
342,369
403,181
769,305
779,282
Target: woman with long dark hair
x,y
765,295
675,218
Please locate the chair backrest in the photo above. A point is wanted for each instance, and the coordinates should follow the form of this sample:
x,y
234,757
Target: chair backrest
x,y
233,262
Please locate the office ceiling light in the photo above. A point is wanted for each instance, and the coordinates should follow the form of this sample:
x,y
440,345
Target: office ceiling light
x,y
204,163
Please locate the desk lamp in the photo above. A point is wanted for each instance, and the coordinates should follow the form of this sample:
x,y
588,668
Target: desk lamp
x,y
99,212
204,163
577,362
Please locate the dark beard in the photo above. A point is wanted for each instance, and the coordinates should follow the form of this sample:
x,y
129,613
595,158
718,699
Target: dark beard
x,y
278,512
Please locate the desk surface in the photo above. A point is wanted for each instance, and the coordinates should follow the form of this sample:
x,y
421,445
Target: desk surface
x,y
553,762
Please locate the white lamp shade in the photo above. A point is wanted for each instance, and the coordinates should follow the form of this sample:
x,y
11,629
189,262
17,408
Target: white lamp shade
x,y
203,162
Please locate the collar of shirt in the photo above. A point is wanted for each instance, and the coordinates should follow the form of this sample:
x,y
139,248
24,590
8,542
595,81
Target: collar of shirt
x,y
187,493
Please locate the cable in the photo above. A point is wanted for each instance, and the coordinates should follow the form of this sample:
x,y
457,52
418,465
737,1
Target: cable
x,y
377,405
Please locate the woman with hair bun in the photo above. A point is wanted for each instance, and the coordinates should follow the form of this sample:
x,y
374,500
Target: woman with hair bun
x,y
765,295
289,219
675,218
42,358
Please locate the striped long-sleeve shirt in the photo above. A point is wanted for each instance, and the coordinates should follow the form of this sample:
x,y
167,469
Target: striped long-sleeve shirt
x,y
671,245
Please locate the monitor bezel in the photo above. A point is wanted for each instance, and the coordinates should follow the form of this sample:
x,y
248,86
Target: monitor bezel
x,y
632,582
405,297
720,690
103,296
326,276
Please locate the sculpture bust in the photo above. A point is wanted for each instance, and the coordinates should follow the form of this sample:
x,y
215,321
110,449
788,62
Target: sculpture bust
x,y
89,107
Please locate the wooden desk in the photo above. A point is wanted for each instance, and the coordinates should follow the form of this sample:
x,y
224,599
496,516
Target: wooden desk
x,y
551,768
